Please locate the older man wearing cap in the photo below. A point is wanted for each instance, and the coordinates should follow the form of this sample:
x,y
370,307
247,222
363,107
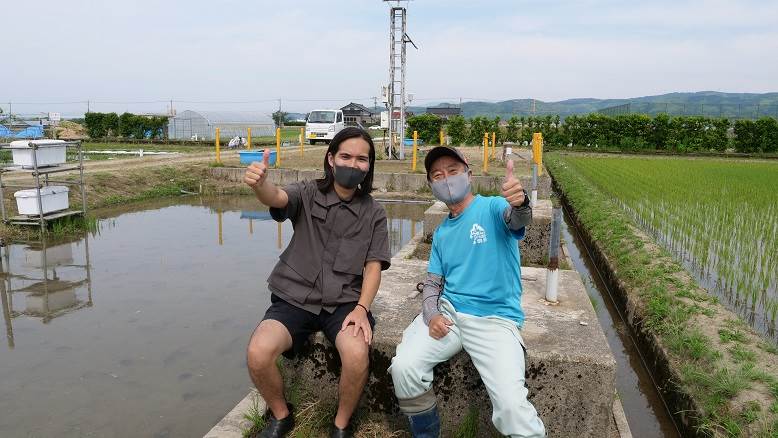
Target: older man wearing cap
x,y
471,301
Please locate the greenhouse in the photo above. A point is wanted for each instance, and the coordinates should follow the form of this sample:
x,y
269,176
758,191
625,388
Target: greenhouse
x,y
201,125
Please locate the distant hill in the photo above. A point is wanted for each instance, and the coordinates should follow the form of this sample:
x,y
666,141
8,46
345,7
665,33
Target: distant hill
x,y
767,103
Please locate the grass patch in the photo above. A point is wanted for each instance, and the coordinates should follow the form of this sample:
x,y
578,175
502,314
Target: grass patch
x,y
750,372
313,418
769,348
71,225
721,385
65,227
750,412
255,416
742,354
774,388
468,428
732,335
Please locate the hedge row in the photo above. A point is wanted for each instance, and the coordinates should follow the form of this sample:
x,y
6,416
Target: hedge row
x,y
625,132
127,125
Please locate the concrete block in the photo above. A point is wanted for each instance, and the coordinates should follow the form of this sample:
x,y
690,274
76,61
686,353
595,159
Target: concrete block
x,y
487,184
382,182
534,245
233,174
570,368
282,177
433,217
303,175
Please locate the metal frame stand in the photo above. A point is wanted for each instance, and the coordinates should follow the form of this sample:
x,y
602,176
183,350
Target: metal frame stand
x,y
36,173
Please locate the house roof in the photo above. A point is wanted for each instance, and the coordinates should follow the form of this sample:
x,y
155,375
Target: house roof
x,y
356,107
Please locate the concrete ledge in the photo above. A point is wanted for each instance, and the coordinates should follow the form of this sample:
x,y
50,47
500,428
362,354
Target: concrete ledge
x,y
384,182
534,246
233,424
571,371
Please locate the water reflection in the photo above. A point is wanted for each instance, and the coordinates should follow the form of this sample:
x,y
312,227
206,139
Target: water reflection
x,y
404,220
47,279
181,284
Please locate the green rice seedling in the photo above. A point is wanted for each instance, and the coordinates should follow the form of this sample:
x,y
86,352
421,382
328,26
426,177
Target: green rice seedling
x,y
717,217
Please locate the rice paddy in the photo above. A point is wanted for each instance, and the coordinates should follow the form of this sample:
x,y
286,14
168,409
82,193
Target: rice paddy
x,y
717,217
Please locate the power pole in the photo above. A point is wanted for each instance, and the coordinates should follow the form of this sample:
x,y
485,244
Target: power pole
x,y
87,106
398,37
280,119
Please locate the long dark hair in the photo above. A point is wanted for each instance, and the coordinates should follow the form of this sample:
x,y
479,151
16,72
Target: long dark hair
x,y
325,184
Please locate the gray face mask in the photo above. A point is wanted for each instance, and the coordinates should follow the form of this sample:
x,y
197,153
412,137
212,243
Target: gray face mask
x,y
349,177
453,189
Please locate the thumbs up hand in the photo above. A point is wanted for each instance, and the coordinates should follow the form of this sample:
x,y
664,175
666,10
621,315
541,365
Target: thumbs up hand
x,y
256,173
511,187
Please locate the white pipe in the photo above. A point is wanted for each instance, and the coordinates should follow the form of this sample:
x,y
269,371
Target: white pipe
x,y
140,152
552,285
533,199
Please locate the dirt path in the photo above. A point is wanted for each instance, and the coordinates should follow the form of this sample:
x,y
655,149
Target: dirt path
x,y
121,164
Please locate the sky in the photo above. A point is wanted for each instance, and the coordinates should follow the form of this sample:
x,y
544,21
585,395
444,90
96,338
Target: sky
x,y
139,55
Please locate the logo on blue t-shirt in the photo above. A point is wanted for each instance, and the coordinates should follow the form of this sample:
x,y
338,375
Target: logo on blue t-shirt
x,y
477,234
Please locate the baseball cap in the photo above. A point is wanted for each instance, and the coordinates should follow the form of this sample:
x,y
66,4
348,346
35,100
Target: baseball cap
x,y
440,151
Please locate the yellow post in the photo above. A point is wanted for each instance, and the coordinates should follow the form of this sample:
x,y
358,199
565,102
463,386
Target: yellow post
x,y
537,151
415,139
218,148
248,143
302,141
278,147
540,154
442,139
494,143
219,214
486,152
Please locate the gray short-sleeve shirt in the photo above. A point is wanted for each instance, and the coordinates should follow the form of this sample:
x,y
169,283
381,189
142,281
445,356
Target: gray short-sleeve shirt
x,y
333,239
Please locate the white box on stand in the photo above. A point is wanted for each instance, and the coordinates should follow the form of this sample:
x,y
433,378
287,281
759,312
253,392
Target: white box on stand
x,y
53,198
50,153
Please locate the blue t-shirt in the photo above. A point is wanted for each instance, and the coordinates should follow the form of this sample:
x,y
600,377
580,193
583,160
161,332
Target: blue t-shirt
x,y
478,257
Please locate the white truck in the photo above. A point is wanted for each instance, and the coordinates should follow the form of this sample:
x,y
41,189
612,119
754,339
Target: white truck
x,y
322,125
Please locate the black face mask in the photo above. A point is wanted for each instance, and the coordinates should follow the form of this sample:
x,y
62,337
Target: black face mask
x,y
349,177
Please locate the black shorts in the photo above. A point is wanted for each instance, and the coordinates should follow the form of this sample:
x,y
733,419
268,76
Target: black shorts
x,y
301,324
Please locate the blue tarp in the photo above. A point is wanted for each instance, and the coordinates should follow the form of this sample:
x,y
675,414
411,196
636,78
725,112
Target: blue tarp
x,y
259,215
29,132
5,132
